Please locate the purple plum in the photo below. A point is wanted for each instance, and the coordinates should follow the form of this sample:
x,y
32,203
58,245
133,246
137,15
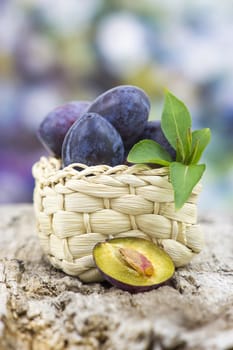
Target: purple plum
x,y
126,108
92,140
55,125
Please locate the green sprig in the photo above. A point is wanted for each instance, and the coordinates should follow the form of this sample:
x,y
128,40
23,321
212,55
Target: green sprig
x,y
176,125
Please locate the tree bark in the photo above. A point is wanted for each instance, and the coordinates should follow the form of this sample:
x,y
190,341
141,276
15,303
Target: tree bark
x,y
41,308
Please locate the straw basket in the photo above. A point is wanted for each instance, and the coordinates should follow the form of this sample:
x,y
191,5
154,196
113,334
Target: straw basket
x,y
76,209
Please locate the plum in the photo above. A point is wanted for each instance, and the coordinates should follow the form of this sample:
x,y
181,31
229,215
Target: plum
x,y
92,140
55,125
126,108
153,131
133,264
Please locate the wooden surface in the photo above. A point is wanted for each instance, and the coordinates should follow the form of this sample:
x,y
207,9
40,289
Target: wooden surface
x,y
42,308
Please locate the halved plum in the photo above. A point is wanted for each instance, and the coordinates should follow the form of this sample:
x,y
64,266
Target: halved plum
x,y
133,264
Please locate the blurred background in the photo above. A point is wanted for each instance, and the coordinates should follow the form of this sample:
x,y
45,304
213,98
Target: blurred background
x,y
57,51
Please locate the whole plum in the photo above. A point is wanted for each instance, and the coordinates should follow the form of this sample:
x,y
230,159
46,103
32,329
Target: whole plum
x,y
92,140
55,125
153,131
126,108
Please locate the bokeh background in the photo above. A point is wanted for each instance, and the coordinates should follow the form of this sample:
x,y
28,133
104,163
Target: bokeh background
x,y
62,50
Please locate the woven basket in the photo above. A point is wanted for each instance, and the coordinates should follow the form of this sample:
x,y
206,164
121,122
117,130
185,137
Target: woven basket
x,y
76,209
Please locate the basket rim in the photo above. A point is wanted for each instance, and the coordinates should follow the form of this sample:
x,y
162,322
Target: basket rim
x,y
49,169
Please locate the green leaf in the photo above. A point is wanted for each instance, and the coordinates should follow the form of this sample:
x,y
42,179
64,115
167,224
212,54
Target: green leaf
x,y
175,123
149,151
200,139
183,179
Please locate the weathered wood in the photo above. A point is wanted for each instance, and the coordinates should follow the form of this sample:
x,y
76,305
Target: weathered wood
x,y
42,308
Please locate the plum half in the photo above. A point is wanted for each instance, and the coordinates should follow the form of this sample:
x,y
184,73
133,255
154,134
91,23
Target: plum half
x,y
133,264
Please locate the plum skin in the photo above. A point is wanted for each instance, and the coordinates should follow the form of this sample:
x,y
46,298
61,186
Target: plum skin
x,y
127,108
132,288
92,140
153,131
57,122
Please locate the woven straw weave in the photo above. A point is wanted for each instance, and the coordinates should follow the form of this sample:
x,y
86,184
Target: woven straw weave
x,y
76,209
